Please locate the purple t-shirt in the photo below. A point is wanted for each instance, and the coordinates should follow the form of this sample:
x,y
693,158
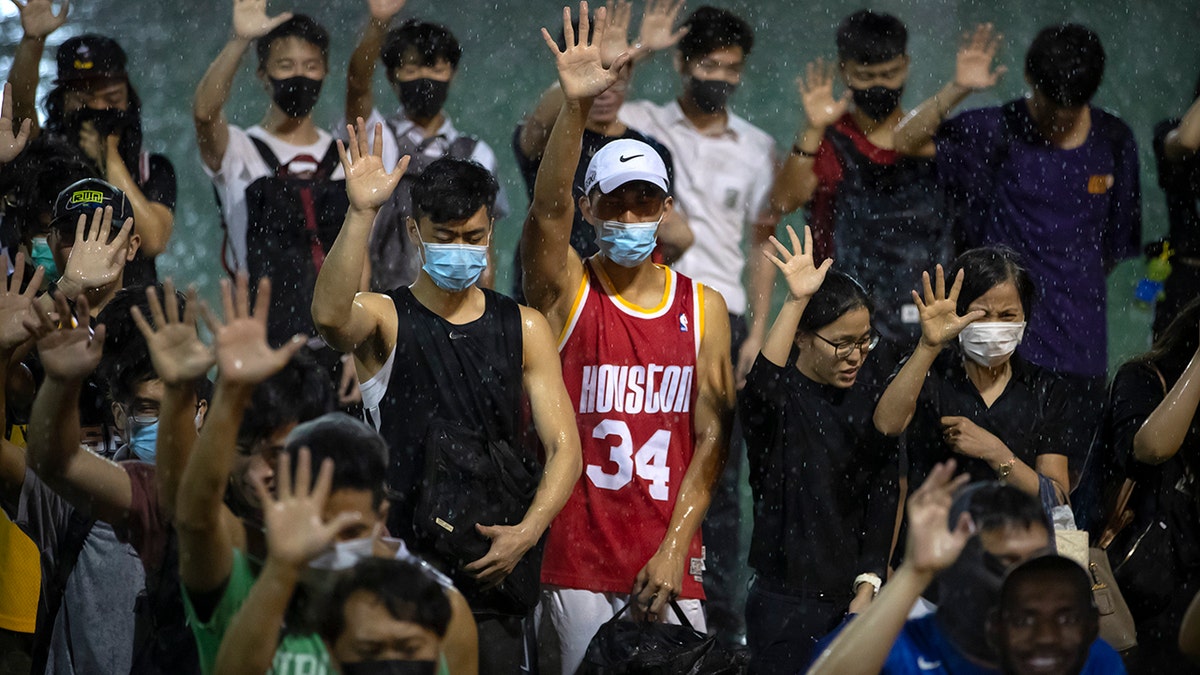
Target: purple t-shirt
x,y
1071,214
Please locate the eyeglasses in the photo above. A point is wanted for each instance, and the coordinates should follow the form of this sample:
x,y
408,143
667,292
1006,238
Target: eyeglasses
x,y
845,349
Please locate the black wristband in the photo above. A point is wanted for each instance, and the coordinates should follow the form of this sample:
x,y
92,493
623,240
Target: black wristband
x,y
797,150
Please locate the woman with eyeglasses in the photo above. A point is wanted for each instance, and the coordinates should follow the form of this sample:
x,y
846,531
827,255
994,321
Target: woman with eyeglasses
x,y
824,480
965,393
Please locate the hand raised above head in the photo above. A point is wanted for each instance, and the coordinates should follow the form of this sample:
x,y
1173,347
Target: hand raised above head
x,y
932,544
816,94
68,348
38,18
368,183
973,68
95,261
616,33
11,142
802,276
250,20
940,321
16,305
296,532
658,20
240,339
581,70
178,355
384,10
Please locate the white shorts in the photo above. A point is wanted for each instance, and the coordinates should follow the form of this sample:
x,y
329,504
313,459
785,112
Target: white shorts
x,y
576,615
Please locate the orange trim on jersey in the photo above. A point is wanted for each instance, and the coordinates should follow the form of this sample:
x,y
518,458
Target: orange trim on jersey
x,y
576,306
668,292
699,293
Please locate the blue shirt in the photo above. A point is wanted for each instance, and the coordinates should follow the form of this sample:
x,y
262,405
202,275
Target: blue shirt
x,y
921,649
1071,214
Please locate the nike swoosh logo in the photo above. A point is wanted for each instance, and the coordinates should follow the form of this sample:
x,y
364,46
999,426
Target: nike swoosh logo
x,y
455,335
928,665
626,159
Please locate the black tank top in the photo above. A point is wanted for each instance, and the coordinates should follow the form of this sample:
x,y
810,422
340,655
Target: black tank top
x,y
469,374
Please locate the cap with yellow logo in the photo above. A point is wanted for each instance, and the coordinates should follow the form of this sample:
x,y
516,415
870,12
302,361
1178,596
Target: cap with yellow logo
x,y
84,197
88,57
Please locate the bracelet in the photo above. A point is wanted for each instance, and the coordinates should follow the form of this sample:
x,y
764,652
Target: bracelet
x,y
1005,468
797,150
868,578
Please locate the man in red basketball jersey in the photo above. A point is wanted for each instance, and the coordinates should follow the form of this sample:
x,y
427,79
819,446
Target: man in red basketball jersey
x,y
645,355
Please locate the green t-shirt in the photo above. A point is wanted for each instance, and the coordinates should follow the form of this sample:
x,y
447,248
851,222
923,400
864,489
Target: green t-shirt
x,y
296,654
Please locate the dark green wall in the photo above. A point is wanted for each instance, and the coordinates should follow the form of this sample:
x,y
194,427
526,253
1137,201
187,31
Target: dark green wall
x,y
1153,62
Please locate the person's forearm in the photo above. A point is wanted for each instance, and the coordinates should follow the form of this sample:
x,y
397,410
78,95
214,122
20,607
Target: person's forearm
x,y
564,465
779,341
553,189
12,458
713,419
176,436
1163,432
1184,140
896,407
338,280
361,71
54,436
917,128
252,638
152,221
24,78
213,91
797,181
538,124
202,485
863,645
762,278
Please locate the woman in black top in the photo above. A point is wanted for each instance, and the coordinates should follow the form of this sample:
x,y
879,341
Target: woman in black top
x,y
824,481
998,415
1155,440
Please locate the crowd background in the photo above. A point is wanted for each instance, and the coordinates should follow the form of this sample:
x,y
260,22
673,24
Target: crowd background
x,y
1149,76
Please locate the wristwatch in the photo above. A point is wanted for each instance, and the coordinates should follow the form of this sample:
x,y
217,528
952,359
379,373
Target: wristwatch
x,y
868,578
1005,468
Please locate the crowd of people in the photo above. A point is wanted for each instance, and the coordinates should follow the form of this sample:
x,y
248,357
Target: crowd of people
x,y
369,460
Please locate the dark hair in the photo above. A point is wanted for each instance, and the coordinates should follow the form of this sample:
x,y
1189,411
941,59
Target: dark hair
x,y
871,37
358,452
428,42
989,266
453,189
1066,572
31,183
993,505
300,26
408,593
1176,345
1066,63
300,392
710,29
838,294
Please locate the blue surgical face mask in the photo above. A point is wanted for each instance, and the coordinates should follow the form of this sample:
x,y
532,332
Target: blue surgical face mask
x,y
627,244
454,267
143,437
43,256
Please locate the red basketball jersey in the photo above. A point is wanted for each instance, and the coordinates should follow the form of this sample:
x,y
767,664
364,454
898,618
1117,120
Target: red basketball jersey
x,y
631,374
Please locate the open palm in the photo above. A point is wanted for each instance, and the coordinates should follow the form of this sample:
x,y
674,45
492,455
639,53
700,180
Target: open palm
x,y
802,277
295,531
384,10
67,351
240,340
368,184
816,95
38,18
658,21
95,261
973,68
581,71
932,545
940,321
14,306
250,20
178,355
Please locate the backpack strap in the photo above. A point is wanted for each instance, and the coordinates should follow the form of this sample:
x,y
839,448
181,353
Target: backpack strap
x,y
462,147
329,163
269,157
71,545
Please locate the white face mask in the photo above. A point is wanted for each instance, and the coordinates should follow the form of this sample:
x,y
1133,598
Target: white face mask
x,y
990,344
347,554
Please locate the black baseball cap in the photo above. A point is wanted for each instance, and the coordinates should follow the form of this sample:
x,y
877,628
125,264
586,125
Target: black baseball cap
x,y
84,197
89,57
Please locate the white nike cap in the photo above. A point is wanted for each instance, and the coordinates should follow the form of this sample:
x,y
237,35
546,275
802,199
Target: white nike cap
x,y
623,161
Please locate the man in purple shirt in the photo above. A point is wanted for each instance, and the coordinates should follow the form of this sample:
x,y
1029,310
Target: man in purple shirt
x,y
1050,176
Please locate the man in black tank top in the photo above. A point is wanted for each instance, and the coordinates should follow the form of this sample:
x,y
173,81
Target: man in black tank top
x,y
444,366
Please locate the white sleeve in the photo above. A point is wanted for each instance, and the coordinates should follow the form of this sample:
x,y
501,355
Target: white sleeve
x,y
638,115
389,140
238,152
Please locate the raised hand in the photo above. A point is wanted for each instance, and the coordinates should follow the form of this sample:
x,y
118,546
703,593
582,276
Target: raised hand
x,y
616,34
295,531
178,355
384,10
816,95
250,20
658,20
368,184
581,71
932,545
802,277
11,143
240,341
940,321
95,261
68,351
14,306
38,18
973,69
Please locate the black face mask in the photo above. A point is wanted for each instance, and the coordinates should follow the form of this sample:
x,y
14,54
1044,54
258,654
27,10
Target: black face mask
x,y
423,97
296,96
107,122
877,102
966,592
390,668
710,96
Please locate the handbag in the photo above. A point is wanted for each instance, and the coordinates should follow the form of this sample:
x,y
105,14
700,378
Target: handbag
x,y
627,647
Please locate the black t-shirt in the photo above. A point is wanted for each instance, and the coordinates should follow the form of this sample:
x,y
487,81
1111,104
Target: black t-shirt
x,y
159,187
824,480
1180,182
1030,417
583,235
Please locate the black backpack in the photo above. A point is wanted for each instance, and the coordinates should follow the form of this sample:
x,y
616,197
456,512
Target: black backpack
x,y
394,259
292,223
